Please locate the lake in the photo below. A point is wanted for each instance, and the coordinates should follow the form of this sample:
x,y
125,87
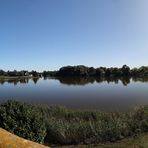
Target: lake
x,y
78,93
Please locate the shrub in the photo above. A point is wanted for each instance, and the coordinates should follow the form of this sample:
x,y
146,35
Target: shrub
x,y
65,126
23,120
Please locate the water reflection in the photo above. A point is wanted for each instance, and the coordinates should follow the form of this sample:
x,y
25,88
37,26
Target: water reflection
x,y
141,79
35,80
16,81
79,80
86,80
98,93
76,80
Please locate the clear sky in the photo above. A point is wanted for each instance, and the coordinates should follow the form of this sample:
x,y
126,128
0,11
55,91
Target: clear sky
x,y
48,34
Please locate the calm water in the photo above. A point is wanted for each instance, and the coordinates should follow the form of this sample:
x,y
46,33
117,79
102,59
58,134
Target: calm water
x,y
78,93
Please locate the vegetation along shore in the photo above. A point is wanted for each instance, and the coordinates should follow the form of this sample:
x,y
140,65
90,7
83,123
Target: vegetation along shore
x,y
56,125
80,70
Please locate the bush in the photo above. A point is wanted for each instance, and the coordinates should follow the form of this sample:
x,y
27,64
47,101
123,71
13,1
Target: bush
x,y
23,120
65,126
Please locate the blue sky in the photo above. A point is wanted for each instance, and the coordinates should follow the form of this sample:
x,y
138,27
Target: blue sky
x,y
48,34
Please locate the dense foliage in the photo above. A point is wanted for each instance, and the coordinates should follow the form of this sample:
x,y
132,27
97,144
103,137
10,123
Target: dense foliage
x,y
102,71
58,125
23,119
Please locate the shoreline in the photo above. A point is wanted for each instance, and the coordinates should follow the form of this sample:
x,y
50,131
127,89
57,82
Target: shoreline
x,y
16,77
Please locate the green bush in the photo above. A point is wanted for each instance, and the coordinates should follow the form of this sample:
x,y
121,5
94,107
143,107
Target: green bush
x,y
24,120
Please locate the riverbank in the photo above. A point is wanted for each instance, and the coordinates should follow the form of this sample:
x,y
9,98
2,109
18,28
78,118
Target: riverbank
x,y
7,138
16,77
57,125
138,142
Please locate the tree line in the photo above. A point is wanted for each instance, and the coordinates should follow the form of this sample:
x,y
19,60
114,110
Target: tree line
x,y
84,71
21,73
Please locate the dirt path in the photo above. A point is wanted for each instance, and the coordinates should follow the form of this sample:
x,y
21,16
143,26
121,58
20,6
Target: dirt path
x,y
8,140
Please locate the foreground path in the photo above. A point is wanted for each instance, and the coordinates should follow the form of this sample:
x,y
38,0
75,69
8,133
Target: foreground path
x,y
8,140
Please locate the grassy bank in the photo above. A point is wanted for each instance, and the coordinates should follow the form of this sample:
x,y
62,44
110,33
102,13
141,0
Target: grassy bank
x,y
61,126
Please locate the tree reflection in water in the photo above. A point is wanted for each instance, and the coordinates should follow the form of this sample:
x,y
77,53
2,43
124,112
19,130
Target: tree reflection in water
x,y
15,81
86,80
79,80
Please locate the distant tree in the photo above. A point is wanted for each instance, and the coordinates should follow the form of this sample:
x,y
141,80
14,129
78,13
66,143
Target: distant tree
x,y
99,72
108,72
92,71
74,71
1,72
44,74
35,74
125,70
47,74
116,71
14,73
134,72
